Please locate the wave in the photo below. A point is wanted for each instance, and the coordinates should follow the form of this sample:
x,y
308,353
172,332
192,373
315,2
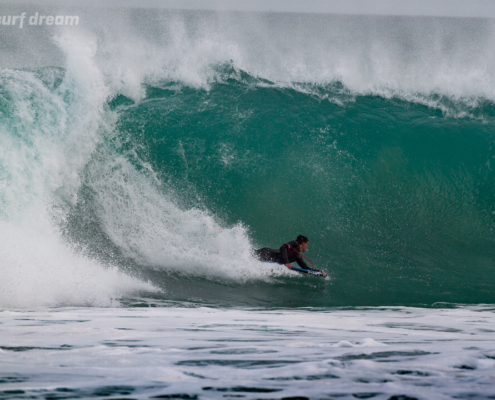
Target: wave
x,y
48,134
384,56
169,144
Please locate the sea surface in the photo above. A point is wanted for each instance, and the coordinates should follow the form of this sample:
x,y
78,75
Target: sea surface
x,y
144,155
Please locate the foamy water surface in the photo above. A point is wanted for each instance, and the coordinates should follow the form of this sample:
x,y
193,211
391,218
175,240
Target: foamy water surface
x,y
211,353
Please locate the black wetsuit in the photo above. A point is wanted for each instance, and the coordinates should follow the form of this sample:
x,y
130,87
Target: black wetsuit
x,y
284,255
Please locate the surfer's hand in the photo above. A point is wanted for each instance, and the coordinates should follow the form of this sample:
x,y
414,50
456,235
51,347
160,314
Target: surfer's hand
x,y
288,266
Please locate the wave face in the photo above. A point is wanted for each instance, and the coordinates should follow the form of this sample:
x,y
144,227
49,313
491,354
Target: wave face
x,y
167,145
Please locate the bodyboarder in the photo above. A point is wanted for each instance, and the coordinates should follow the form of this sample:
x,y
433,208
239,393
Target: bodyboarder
x,y
288,253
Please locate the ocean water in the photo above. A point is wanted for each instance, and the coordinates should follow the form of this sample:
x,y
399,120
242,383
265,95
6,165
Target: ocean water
x,y
144,154
174,352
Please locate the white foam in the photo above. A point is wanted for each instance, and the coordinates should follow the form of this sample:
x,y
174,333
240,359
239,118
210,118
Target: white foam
x,y
409,58
145,221
367,342
48,138
38,268
172,350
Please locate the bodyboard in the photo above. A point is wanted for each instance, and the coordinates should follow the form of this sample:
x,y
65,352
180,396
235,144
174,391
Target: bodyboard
x,y
304,271
309,272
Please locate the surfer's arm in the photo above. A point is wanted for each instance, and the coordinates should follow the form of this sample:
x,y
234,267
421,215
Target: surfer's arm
x,y
302,264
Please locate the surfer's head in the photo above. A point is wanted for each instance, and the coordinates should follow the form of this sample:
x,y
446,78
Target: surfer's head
x,y
302,241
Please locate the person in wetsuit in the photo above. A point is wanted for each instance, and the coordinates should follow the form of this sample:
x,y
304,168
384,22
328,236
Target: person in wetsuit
x,y
288,252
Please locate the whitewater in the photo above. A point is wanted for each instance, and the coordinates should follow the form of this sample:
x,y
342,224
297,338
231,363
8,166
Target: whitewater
x,y
144,155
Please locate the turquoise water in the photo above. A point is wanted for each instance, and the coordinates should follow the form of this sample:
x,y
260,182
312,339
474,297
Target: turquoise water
x,y
395,197
155,158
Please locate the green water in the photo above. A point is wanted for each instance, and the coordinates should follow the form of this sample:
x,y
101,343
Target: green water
x,y
396,198
170,144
